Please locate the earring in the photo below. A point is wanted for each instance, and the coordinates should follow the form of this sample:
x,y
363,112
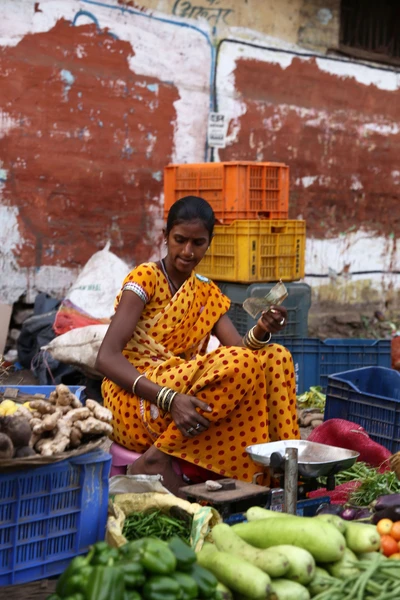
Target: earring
x,y
165,242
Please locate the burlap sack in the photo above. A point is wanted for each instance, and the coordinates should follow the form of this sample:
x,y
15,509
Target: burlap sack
x,y
204,517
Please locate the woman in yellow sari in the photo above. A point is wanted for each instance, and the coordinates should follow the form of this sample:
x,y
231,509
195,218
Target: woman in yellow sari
x,y
169,397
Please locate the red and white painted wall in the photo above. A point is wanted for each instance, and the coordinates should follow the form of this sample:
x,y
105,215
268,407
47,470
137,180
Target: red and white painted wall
x,y
97,97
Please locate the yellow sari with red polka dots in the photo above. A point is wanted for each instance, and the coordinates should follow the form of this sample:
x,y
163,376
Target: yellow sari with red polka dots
x,y
252,393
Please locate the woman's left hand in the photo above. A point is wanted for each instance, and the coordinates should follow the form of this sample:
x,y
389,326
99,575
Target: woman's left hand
x,y
274,319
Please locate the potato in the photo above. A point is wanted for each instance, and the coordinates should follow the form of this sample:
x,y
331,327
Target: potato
x,y
17,428
6,446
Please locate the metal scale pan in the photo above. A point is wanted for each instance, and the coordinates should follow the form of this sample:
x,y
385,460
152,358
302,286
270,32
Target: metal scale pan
x,y
314,460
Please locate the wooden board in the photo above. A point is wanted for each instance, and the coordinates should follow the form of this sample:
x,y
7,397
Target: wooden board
x,y
243,490
16,396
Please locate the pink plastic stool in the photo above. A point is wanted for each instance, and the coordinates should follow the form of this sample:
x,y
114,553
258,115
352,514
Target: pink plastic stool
x,y
121,458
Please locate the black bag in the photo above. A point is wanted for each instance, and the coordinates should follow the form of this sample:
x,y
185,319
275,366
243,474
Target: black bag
x,y
37,331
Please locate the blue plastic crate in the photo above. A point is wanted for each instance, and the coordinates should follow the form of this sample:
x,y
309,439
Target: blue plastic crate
x,y
369,397
50,514
314,359
78,390
297,305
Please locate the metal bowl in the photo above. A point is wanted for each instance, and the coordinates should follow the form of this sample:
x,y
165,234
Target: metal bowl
x,y
314,460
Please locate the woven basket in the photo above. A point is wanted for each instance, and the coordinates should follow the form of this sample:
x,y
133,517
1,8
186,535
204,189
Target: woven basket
x,y
36,590
14,464
395,464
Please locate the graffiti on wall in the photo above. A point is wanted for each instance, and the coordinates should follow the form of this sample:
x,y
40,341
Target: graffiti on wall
x,y
212,11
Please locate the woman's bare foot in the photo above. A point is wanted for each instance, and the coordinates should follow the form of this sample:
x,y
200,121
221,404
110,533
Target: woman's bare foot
x,y
155,462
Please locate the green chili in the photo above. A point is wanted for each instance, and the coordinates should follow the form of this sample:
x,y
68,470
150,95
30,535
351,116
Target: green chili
x,y
157,524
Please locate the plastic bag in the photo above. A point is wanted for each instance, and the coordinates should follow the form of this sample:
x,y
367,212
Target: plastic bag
x,y
94,291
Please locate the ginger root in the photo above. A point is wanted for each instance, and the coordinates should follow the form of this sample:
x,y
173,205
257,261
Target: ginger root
x,y
24,412
75,437
93,426
63,396
48,423
77,414
60,441
40,443
99,412
42,406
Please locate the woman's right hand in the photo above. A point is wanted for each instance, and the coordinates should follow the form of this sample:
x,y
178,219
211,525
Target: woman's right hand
x,y
187,419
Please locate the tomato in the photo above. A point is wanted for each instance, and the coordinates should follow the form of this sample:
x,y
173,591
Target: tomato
x,y
395,531
384,526
389,545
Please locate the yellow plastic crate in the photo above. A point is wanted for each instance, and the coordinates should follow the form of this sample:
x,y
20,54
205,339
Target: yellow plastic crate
x,y
263,250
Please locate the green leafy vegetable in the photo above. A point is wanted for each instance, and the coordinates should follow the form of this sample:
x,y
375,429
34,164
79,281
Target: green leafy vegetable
x,y
374,485
314,398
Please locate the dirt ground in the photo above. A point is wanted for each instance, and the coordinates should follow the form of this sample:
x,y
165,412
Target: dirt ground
x,y
327,321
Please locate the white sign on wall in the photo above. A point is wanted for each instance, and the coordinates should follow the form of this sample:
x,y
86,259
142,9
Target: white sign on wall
x,y
217,128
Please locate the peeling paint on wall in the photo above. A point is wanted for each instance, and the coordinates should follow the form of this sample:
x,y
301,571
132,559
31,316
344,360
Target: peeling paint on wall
x,y
95,100
339,134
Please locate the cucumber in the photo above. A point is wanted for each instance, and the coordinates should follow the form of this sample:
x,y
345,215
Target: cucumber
x,y
320,538
345,567
361,537
271,561
335,520
222,592
302,563
290,590
255,513
236,573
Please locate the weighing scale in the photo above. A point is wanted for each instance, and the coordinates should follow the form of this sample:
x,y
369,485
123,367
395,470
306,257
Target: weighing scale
x,y
295,466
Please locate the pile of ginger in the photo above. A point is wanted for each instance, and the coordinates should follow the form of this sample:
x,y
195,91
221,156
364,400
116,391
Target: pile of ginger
x,y
60,423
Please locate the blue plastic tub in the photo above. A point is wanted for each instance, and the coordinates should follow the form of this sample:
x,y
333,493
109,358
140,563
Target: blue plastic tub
x,y
50,514
79,391
369,397
314,359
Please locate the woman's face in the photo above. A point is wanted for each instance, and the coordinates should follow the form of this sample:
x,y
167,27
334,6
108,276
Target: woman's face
x,y
187,243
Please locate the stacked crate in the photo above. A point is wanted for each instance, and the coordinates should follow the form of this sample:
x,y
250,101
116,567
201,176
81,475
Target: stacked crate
x,y
254,241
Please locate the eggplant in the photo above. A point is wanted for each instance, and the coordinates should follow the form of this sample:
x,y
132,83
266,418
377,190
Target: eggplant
x,y
392,513
349,514
387,501
329,509
364,514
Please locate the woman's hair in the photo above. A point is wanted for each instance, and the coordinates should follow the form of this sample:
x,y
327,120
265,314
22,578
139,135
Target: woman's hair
x,y
191,208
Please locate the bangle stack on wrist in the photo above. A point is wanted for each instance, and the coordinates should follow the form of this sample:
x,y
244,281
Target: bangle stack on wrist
x,y
165,398
251,342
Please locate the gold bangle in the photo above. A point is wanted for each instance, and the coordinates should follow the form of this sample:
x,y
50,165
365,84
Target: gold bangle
x,y
253,343
134,384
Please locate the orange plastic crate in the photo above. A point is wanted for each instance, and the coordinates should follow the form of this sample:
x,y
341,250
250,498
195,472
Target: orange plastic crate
x,y
235,190
263,250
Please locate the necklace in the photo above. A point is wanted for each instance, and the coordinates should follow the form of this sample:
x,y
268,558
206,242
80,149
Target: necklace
x,y
171,284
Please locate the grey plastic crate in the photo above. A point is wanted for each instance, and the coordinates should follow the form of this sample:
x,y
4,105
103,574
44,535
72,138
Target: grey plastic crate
x,y
297,304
